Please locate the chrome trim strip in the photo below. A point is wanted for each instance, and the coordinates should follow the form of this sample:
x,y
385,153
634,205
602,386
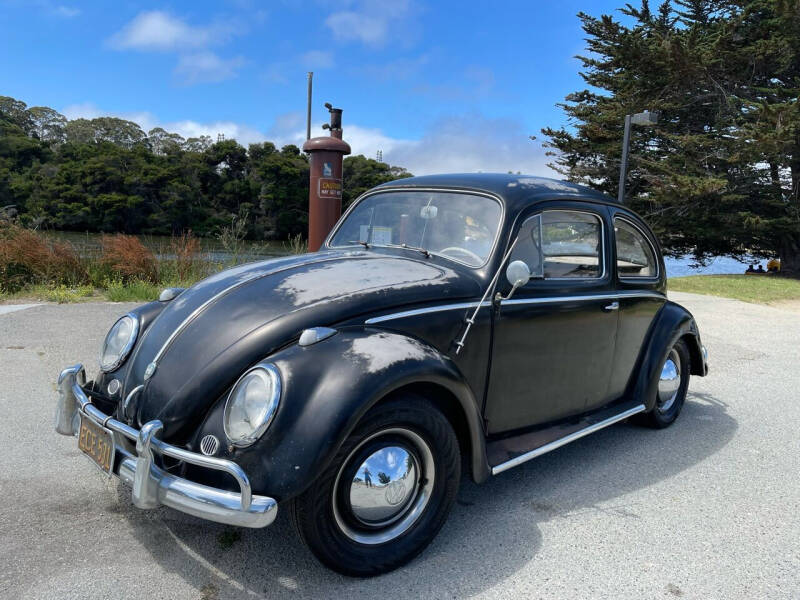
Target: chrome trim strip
x,y
542,300
422,311
196,312
566,440
153,486
614,295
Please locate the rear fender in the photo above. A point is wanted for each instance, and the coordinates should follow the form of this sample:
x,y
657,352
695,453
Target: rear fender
x,y
671,323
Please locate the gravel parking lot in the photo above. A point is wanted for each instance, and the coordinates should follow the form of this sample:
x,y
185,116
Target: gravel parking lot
x,y
705,509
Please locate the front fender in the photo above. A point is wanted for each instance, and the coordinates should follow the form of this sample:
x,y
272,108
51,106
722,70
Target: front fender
x,y
672,322
327,388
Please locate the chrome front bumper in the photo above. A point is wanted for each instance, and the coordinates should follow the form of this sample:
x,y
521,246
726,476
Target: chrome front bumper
x,y
153,486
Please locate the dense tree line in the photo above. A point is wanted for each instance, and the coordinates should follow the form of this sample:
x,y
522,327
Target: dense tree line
x,y
108,175
720,173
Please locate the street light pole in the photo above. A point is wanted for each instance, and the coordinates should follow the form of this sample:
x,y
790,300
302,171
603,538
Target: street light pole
x,y
623,167
645,119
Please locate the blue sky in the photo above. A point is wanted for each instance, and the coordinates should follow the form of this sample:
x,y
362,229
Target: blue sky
x,y
437,86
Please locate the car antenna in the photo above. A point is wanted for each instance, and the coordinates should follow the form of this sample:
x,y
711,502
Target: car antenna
x,y
471,320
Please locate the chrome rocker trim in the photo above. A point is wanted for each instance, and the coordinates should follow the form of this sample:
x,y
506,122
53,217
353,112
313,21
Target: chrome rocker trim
x,y
153,486
566,439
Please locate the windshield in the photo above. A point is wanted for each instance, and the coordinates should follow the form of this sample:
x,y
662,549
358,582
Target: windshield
x,y
459,226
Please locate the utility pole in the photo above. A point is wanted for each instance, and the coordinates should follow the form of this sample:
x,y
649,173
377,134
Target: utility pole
x,y
308,110
645,119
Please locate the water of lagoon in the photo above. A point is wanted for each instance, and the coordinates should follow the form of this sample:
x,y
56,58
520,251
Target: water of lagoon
x,y
213,250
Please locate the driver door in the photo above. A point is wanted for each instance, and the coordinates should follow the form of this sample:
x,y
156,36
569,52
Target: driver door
x,y
553,344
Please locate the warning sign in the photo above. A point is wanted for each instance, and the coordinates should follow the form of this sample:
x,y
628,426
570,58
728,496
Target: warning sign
x,y
330,188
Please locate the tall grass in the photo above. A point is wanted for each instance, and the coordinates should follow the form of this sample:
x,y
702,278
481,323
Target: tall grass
x,y
33,264
28,258
124,269
126,258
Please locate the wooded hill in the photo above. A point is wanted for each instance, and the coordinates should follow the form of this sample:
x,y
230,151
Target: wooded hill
x,y
108,175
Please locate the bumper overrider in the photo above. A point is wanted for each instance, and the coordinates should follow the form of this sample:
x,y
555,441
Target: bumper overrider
x,y
152,486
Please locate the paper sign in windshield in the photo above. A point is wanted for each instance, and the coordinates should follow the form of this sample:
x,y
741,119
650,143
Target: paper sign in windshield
x,y
380,235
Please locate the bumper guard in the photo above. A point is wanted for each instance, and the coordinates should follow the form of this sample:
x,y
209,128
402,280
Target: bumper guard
x,y
153,486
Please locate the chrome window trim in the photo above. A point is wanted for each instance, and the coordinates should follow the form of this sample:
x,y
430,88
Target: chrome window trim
x,y
542,300
649,243
602,257
366,195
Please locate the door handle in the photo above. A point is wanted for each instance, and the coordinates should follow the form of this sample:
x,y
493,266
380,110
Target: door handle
x,y
612,306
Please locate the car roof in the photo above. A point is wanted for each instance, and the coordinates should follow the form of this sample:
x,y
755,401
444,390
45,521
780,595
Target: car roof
x,y
517,191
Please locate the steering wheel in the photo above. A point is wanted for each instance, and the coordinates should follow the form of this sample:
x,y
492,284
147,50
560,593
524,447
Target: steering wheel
x,y
458,249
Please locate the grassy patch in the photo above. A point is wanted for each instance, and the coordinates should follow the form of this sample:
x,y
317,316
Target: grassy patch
x,y
53,293
132,291
749,288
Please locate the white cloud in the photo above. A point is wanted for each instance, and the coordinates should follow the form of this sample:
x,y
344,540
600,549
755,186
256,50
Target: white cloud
x,y
471,143
207,67
66,11
347,25
160,31
317,59
244,134
371,23
462,144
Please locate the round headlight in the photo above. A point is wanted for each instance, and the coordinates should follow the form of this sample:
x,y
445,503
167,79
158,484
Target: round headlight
x,y
118,343
252,404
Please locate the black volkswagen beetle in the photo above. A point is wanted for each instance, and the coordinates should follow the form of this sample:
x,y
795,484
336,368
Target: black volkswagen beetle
x,y
483,318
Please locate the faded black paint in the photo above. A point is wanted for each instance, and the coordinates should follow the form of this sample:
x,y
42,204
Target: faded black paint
x,y
522,367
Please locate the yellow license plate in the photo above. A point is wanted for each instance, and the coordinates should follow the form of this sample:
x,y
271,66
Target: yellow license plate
x,y
97,443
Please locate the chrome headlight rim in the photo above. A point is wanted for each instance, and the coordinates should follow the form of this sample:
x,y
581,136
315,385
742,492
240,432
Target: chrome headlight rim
x,y
273,402
126,349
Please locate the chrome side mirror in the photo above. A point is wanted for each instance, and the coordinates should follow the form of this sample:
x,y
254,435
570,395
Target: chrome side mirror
x,y
518,274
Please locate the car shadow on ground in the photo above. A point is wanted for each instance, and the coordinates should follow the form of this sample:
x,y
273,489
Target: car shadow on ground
x,y
499,519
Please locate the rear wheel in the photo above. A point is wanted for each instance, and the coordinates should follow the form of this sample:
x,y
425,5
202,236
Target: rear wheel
x,y
673,383
387,492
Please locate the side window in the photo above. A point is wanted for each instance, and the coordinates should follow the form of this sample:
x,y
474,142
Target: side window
x,y
560,244
572,244
635,257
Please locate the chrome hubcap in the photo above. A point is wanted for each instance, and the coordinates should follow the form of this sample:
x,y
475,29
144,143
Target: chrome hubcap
x,y
383,486
669,382
382,497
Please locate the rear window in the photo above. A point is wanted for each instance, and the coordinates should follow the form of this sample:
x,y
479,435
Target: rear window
x,y
635,256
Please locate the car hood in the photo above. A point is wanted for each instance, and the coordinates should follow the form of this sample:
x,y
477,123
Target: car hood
x,y
206,337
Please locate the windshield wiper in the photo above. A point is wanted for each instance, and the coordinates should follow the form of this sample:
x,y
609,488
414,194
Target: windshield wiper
x,y
424,252
365,244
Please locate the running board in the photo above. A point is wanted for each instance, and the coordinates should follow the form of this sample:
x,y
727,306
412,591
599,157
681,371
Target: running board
x,y
563,441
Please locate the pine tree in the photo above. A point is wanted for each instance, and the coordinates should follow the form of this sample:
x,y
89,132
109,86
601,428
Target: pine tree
x,y
720,172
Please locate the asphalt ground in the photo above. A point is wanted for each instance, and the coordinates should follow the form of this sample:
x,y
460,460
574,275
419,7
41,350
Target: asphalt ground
x,y
705,509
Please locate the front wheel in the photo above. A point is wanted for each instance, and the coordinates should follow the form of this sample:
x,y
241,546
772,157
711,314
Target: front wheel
x,y
387,492
673,383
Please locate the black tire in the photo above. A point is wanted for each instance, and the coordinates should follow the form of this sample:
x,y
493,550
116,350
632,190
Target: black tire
x,y
663,414
326,521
